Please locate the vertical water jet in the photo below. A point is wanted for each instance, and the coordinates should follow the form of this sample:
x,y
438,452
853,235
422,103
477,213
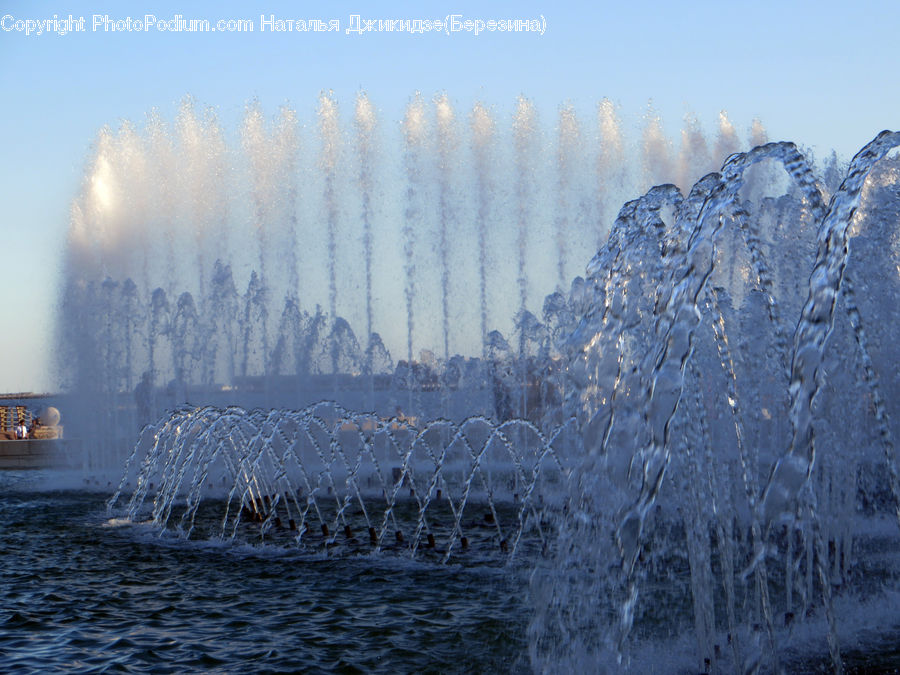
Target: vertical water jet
x,y
446,147
483,130
414,131
524,139
365,121
656,151
568,143
330,136
610,169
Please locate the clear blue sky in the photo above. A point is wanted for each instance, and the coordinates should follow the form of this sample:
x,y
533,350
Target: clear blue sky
x,y
823,74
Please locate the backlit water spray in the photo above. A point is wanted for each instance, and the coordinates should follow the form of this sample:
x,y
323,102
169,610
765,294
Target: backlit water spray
x,y
689,449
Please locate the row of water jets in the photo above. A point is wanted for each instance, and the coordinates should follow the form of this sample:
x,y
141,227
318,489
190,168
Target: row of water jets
x,y
328,470
325,221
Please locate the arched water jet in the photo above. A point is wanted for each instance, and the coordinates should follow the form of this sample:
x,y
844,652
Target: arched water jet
x,y
667,417
792,470
333,459
676,324
817,323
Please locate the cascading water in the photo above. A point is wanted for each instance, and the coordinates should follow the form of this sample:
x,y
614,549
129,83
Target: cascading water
x,y
754,532
692,446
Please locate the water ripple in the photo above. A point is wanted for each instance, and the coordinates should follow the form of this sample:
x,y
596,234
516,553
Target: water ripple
x,y
82,597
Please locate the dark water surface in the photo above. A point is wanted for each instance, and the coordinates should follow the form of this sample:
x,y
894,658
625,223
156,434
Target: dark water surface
x,y
80,593
83,592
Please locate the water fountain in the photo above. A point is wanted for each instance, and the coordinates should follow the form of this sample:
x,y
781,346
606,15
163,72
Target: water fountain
x,y
327,470
701,461
691,447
